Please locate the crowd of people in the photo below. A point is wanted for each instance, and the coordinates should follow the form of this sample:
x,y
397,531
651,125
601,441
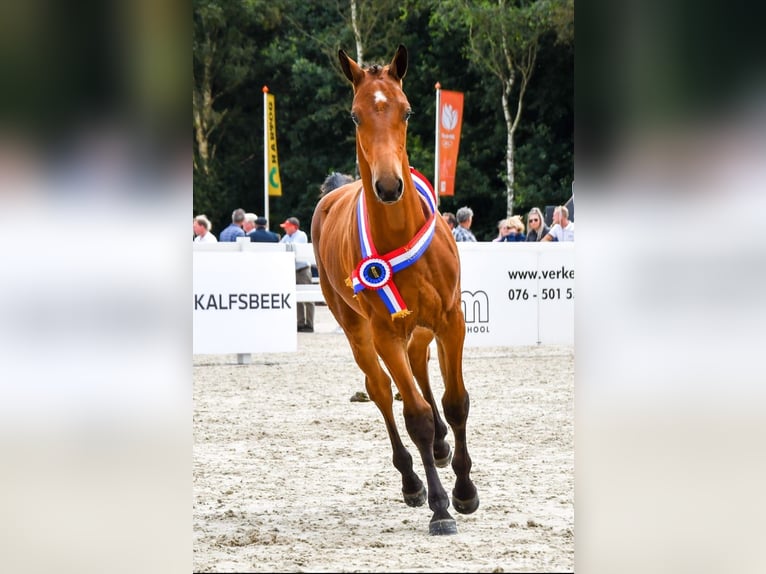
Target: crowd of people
x,y
510,229
513,228
243,224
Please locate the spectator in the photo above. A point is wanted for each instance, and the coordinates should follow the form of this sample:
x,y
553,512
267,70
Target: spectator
x,y
503,229
450,219
517,229
333,181
536,226
261,234
563,229
202,226
464,218
511,230
249,224
293,234
234,229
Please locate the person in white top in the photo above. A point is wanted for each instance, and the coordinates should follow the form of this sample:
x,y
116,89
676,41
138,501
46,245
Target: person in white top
x,y
563,229
249,224
202,234
293,234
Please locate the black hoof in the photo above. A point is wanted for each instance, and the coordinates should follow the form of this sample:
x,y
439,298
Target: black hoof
x,y
359,397
465,506
443,526
444,461
416,499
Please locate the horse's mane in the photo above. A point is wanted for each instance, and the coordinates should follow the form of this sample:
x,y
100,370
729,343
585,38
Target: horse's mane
x,y
374,69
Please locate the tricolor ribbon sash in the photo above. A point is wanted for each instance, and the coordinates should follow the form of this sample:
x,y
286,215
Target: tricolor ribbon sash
x,y
375,271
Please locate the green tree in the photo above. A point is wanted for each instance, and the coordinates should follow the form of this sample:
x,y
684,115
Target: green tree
x,y
365,29
503,40
545,144
361,28
223,50
297,60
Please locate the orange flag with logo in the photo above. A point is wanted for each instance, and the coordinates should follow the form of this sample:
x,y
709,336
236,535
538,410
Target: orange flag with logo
x,y
450,121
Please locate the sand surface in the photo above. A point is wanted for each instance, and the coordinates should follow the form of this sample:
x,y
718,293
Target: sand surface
x,y
291,476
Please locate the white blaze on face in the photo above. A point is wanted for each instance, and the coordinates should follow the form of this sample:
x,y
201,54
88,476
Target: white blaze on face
x,y
380,97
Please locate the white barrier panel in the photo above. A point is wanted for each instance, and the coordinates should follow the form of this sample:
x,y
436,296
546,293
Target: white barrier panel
x,y
244,300
304,252
517,293
512,294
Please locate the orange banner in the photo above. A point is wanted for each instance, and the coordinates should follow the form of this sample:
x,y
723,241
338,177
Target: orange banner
x,y
450,121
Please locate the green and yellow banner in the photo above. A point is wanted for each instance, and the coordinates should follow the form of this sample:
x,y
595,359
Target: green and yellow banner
x,y
272,161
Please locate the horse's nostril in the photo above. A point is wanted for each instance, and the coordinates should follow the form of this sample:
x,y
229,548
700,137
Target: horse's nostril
x,y
389,190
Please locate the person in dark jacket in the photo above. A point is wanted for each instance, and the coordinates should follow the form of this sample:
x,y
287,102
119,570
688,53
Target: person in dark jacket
x,y
512,229
536,227
261,234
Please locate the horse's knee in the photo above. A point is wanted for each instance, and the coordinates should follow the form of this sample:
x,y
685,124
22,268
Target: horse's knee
x,y
420,425
456,411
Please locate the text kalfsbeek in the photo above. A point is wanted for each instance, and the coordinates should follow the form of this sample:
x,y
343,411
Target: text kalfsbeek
x,y
241,301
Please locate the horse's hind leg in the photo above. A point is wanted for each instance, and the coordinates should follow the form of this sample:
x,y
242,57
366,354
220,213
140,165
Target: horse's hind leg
x,y
378,386
456,404
418,351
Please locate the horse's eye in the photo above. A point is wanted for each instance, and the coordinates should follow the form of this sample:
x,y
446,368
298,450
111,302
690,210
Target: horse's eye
x,y
355,119
407,115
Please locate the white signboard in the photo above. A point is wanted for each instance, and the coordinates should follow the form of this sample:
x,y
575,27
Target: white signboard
x,y
244,302
512,294
517,293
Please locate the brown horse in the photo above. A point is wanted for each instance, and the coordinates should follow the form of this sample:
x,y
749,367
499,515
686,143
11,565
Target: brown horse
x,y
390,274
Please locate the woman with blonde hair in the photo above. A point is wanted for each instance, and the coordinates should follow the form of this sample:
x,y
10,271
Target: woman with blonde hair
x,y
536,224
511,229
517,229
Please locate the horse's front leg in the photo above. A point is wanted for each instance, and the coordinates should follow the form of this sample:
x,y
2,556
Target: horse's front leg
x,y
419,420
456,405
418,352
378,385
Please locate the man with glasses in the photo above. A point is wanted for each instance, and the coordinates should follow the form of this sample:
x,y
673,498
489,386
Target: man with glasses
x,y
536,227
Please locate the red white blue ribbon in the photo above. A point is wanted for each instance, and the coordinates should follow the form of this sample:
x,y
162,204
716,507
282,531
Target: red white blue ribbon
x,y
375,271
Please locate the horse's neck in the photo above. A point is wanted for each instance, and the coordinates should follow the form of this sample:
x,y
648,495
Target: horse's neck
x,y
394,225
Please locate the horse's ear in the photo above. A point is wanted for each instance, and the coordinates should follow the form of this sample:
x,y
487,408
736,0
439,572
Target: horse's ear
x,y
351,69
398,65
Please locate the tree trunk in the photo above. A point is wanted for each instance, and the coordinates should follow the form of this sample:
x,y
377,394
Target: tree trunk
x,y
510,172
359,60
510,127
202,101
202,144
357,35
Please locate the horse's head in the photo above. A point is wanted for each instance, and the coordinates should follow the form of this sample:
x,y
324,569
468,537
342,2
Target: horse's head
x,y
380,111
